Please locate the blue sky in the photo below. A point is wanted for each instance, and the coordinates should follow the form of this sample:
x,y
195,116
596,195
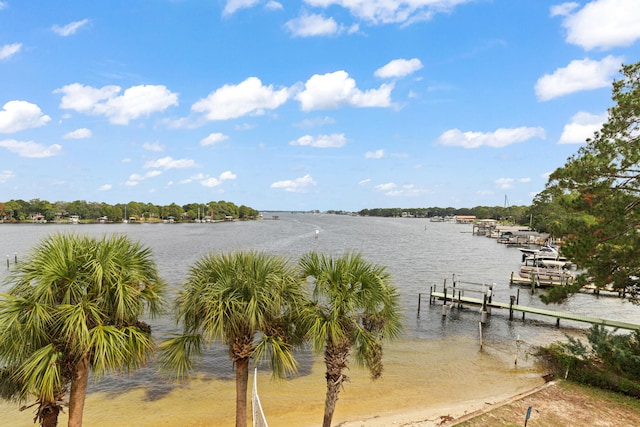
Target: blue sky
x,y
300,105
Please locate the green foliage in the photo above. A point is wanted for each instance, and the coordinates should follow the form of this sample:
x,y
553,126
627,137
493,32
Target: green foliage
x,y
75,298
355,307
20,210
610,360
593,199
249,301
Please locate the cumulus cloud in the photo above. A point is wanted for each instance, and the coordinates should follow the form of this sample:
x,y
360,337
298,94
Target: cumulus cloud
x,y
19,115
392,11
583,125
233,6
8,50
601,24
105,187
297,185
313,25
378,154
579,75
499,138
70,28
213,138
170,163
135,102
30,148
248,97
335,140
82,133
331,90
215,182
399,68
6,175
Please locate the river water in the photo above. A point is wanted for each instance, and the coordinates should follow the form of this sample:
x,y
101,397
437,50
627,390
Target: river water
x,y
437,363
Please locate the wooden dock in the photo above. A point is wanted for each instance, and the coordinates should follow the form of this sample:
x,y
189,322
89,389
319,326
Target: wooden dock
x,y
452,298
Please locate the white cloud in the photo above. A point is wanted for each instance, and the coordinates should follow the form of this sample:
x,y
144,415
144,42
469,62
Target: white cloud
x,y
407,190
273,5
214,182
365,181
392,11
170,163
6,175
135,102
312,25
233,6
504,183
314,122
19,115
105,187
248,97
563,9
332,90
227,175
298,185
135,178
8,50
30,148
579,75
213,139
385,187
378,154
153,146
335,140
399,68
500,138
3,5
524,180
69,29
82,133
603,24
583,125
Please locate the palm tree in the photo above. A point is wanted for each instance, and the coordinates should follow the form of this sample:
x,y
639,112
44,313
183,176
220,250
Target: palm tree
x,y
251,302
355,307
74,307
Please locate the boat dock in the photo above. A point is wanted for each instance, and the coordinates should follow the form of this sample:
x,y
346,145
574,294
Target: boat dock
x,y
454,295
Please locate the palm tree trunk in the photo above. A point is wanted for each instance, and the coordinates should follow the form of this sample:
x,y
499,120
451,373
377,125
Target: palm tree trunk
x,y
242,380
335,360
78,392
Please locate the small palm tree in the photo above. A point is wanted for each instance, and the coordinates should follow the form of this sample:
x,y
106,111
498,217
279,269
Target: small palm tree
x,y
355,307
251,302
74,307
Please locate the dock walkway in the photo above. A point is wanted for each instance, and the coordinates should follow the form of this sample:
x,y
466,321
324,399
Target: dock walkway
x,y
459,299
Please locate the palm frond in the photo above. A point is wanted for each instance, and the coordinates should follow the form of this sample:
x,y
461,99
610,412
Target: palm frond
x,y
175,355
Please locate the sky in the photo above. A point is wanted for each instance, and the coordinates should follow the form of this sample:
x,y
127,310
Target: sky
x,y
303,105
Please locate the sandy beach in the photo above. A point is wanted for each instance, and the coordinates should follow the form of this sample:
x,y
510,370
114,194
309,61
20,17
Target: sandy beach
x,y
422,383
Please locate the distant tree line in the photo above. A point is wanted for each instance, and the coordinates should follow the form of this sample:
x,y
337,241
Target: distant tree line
x,y
25,211
516,214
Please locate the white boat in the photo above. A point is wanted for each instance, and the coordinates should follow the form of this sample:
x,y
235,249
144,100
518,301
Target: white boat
x,y
546,252
547,272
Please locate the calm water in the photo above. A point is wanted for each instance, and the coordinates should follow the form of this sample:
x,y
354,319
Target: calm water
x,y
418,254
